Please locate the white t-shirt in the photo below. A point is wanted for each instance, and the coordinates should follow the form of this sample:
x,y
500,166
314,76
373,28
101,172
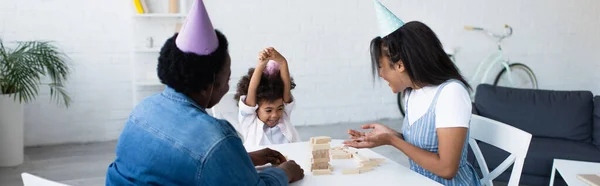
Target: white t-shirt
x,y
453,108
256,134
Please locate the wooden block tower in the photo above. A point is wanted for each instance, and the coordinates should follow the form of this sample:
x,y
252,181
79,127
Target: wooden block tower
x,y
320,155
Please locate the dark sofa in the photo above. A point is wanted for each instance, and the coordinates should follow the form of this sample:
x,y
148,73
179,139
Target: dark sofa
x,y
564,124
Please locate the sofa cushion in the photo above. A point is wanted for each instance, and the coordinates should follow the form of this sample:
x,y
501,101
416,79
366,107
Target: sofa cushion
x,y
543,151
596,131
474,109
543,113
541,154
528,179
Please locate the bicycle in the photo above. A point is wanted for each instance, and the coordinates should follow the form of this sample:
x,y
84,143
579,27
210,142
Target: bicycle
x,y
513,74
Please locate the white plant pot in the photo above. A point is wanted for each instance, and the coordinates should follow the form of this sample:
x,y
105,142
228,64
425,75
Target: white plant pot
x,y
11,132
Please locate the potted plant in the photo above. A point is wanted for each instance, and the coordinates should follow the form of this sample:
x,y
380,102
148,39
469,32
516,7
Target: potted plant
x,y
22,70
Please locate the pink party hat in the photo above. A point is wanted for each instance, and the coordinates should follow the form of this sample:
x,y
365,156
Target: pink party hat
x,y
272,68
197,34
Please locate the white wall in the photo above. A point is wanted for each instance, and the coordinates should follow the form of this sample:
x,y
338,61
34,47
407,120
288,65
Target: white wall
x,y
94,34
326,43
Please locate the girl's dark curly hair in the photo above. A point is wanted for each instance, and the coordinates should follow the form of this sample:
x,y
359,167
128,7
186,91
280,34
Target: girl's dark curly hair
x,y
190,73
269,89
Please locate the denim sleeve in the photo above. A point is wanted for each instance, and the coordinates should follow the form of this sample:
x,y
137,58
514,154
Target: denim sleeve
x,y
228,163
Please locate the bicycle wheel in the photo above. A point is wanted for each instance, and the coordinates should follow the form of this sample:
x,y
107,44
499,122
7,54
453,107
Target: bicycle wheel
x,y
401,103
522,76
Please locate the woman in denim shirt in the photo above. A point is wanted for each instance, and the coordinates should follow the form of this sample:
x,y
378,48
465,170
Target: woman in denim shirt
x,y
169,139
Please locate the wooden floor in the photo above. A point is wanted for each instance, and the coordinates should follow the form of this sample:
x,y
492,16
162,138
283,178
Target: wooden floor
x,y
82,164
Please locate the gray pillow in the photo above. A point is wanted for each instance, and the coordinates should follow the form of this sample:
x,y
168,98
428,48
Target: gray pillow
x,y
543,113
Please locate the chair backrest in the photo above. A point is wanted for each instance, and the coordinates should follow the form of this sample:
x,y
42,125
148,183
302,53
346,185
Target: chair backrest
x,y
32,180
227,109
505,137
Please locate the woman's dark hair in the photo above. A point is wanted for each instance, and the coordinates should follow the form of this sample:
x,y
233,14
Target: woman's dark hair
x,y
421,53
269,89
190,73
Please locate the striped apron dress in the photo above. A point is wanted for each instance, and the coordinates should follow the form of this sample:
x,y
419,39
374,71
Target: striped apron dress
x,y
422,134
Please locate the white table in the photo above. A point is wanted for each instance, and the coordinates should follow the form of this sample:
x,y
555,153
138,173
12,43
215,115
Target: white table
x,y
388,173
569,169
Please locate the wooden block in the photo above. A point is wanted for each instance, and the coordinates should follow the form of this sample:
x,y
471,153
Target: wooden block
x,y
341,156
320,154
319,160
316,167
336,153
369,163
360,158
322,151
326,156
351,171
351,151
321,172
378,160
365,169
337,148
341,151
320,140
320,165
324,165
325,146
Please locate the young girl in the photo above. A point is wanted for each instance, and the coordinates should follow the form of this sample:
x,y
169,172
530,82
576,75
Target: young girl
x,y
265,102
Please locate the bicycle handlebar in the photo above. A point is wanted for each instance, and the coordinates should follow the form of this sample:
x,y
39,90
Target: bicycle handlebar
x,y
508,31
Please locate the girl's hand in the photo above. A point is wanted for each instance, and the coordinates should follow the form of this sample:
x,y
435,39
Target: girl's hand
x,y
275,55
263,58
380,135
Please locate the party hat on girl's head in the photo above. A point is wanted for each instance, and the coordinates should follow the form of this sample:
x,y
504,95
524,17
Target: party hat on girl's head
x,y
271,68
197,34
387,21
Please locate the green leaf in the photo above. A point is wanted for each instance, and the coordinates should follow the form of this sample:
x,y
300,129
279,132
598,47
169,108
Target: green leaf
x,y
57,91
22,70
